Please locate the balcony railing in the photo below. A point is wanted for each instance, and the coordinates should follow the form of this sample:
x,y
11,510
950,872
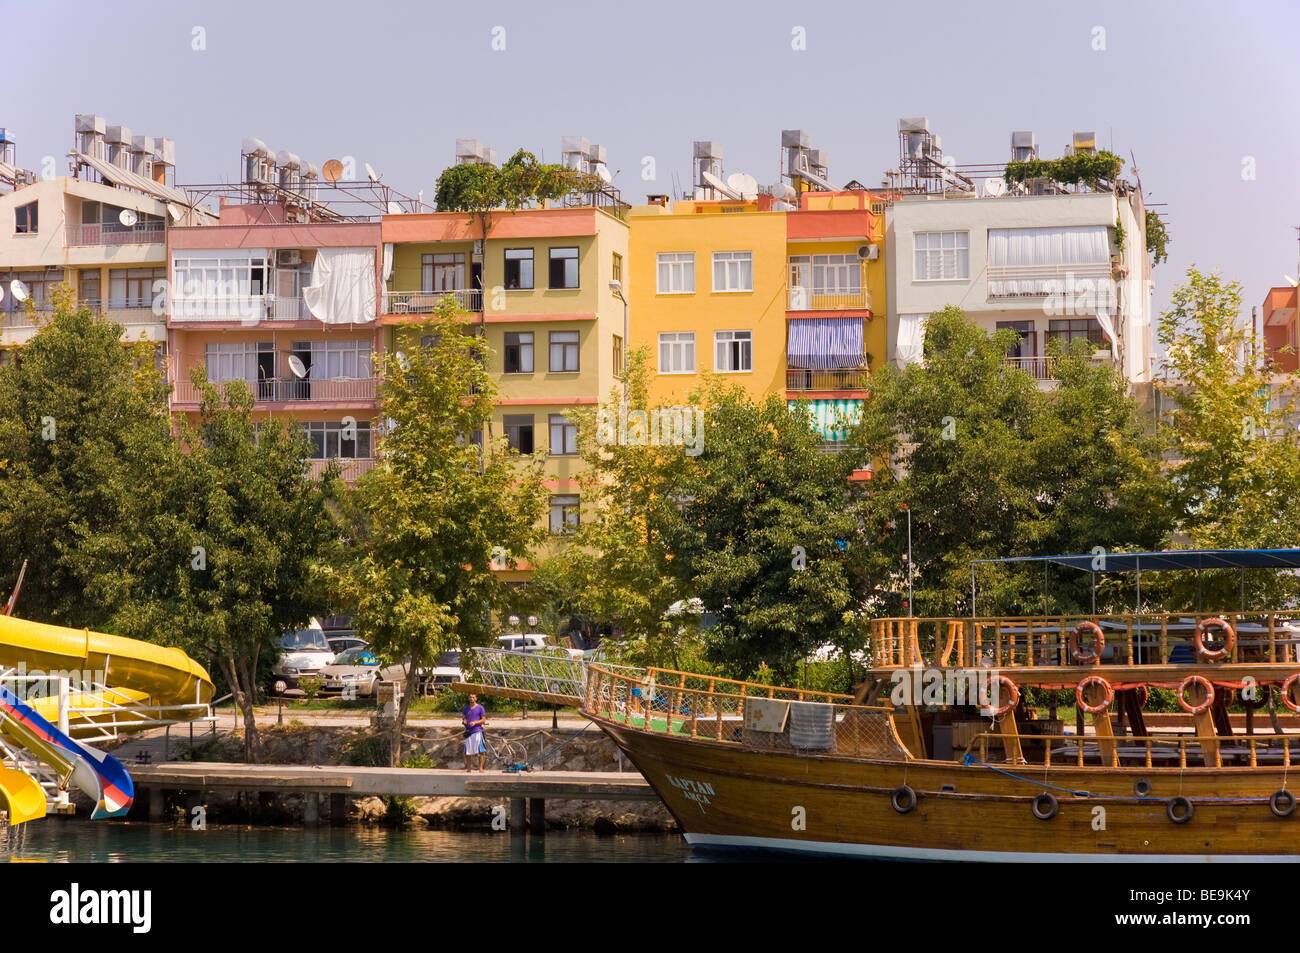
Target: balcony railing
x,y
801,298
284,390
848,379
425,302
246,309
352,468
1037,281
1042,367
289,309
112,233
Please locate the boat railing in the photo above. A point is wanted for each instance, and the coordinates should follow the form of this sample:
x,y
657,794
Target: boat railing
x,y
1146,751
1045,641
708,708
549,672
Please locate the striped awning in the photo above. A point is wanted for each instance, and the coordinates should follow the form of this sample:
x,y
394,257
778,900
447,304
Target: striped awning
x,y
830,418
825,344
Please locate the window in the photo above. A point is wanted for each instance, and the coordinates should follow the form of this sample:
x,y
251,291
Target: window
x,y
564,436
519,352
617,270
25,219
826,274
734,351
564,268
336,360
941,256
676,273
332,439
519,268
40,289
733,271
564,352
216,277
564,515
519,432
133,287
236,360
442,272
88,287
677,352
618,355
1066,330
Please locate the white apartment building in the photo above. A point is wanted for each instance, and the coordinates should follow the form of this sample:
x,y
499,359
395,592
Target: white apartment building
x,y
1046,266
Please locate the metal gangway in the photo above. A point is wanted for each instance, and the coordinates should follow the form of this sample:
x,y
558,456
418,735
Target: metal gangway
x,y
553,676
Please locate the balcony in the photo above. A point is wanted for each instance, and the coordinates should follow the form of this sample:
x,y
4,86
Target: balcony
x,y
244,309
341,390
113,233
1038,281
1040,368
804,299
424,302
352,468
801,379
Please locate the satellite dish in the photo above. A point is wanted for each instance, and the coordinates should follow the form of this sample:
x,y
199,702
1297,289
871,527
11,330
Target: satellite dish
x,y
297,366
19,290
370,171
995,187
603,174
744,183
401,359
394,208
332,170
127,217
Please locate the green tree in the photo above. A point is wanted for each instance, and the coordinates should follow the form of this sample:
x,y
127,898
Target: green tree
x,y
83,427
443,503
769,535
617,569
991,466
224,561
1232,456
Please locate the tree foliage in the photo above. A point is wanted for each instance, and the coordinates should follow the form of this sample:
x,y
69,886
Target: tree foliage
x,y
443,502
992,466
1157,237
522,180
83,426
1081,168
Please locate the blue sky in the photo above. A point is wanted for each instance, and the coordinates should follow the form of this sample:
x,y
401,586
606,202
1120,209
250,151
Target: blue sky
x,y
1191,89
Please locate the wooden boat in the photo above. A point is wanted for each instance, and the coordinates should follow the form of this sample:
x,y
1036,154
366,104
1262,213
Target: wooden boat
x,y
743,765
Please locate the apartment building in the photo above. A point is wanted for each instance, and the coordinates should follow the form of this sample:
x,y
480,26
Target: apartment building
x,y
771,289
538,286
282,292
1281,340
101,230
1046,261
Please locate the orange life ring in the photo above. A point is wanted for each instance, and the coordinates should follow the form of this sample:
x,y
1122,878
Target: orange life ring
x,y
1229,640
1146,695
1013,697
1106,701
1098,643
1286,693
1182,691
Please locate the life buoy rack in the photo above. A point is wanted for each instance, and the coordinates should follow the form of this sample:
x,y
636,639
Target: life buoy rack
x,y
1182,693
1098,643
1286,693
1224,650
903,799
1012,696
1108,698
1044,806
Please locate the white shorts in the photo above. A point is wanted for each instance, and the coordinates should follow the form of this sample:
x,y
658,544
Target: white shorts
x,y
474,743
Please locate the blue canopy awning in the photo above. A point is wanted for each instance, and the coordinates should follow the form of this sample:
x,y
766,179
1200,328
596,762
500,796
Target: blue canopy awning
x,y
1170,559
825,344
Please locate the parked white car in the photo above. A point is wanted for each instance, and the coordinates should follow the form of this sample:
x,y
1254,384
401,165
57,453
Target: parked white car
x,y
357,672
531,642
302,655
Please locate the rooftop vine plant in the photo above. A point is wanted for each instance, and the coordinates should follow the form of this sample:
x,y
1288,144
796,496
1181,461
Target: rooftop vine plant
x,y
1078,169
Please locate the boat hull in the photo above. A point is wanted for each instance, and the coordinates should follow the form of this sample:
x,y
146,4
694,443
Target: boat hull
x,y
729,796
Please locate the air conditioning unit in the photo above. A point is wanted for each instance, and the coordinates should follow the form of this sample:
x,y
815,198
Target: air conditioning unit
x,y
288,258
869,252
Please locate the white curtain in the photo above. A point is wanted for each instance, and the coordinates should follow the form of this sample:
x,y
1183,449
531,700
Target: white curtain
x,y
388,261
911,339
342,289
1108,329
1034,261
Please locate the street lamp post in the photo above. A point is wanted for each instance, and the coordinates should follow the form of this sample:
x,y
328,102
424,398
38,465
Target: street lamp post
x,y
616,287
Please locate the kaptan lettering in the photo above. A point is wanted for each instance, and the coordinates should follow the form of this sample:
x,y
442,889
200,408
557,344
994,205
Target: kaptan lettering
x,y
102,907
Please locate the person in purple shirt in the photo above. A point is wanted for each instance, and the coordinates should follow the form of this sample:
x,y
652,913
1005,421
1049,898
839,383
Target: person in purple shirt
x,y
474,718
